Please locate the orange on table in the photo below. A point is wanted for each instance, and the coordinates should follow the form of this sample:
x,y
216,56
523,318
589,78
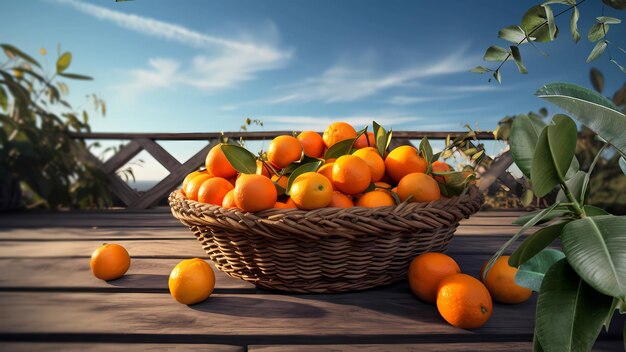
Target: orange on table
x,y
337,132
229,200
283,150
311,190
340,200
374,161
217,164
464,301
351,174
377,198
213,190
362,141
327,170
427,270
281,180
254,193
191,281
190,176
422,188
403,161
501,284
109,262
312,143
262,169
193,186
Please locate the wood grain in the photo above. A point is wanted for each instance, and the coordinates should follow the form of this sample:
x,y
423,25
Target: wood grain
x,y
113,347
159,153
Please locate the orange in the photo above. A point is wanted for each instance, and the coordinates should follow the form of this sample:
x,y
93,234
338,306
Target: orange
x,y
193,186
190,176
281,180
427,270
281,205
254,193
312,143
440,166
109,262
376,199
213,190
337,132
229,200
340,200
311,191
373,160
362,141
422,188
351,174
403,161
283,150
501,284
464,301
327,170
262,169
290,204
191,281
218,165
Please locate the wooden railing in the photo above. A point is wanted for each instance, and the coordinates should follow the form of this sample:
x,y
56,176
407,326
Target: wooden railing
x,y
177,171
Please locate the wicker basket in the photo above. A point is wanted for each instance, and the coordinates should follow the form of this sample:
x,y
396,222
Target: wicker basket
x,y
324,250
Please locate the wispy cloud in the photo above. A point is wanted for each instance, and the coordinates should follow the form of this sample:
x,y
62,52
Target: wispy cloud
x,y
319,123
409,100
342,83
223,63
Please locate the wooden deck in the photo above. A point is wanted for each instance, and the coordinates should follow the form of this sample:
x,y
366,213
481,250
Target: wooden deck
x,y
50,301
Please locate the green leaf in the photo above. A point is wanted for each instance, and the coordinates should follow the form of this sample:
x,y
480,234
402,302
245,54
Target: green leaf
x,y
535,23
598,49
308,167
557,212
575,185
622,164
552,30
532,272
340,148
570,313
590,210
497,76
523,139
596,249
535,243
480,69
426,150
527,197
240,158
496,53
75,76
592,109
451,183
553,155
608,20
17,52
64,61
609,315
514,238
382,137
597,32
4,100
518,59
573,25
514,34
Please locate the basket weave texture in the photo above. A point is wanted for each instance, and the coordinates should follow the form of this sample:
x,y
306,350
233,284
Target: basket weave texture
x,y
323,250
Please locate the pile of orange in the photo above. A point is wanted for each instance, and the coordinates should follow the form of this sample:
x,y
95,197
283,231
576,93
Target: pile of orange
x,y
360,176
462,300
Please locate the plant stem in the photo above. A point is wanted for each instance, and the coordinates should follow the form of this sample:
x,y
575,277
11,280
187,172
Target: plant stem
x,y
527,37
577,208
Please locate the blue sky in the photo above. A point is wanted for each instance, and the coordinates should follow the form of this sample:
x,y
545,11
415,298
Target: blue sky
x,y
196,66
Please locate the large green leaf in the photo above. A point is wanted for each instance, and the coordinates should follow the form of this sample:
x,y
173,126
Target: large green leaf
x,y
535,243
531,273
557,212
240,158
592,109
340,148
570,313
596,249
553,155
523,139
535,24
514,238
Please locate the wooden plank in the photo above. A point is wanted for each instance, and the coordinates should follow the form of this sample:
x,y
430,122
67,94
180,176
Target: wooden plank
x,y
189,248
113,347
63,274
496,170
166,185
123,156
259,135
160,154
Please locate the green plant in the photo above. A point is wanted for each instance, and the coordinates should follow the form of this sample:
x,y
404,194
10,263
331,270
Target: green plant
x,y
538,25
40,159
580,287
